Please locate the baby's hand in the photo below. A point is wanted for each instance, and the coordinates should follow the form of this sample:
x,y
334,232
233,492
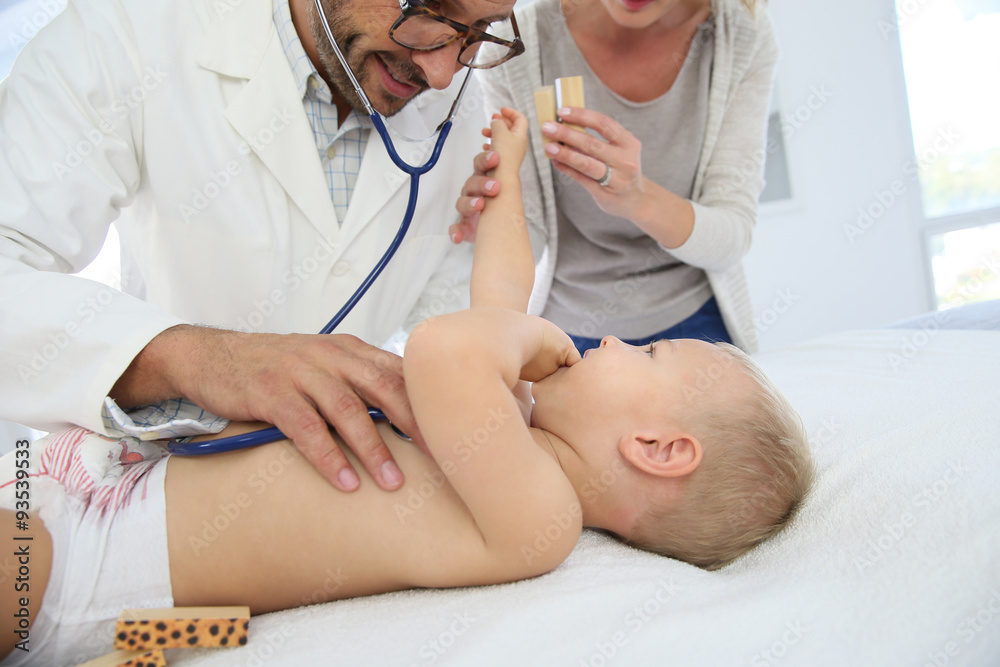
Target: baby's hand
x,y
508,135
554,350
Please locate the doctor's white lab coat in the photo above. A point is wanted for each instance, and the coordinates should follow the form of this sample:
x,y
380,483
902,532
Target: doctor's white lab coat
x,y
180,121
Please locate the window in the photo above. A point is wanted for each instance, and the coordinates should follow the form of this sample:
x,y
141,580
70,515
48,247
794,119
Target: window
x,y
966,265
951,60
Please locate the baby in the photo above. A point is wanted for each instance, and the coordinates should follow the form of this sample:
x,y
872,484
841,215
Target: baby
x,y
682,447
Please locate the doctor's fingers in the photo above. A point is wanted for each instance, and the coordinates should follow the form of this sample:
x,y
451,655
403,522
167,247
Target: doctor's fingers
x,y
334,402
300,422
375,378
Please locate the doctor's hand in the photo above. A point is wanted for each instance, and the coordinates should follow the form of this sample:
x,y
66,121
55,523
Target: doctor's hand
x,y
296,382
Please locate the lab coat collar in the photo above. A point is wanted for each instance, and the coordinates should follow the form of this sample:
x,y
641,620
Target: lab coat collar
x,y
236,38
268,113
242,43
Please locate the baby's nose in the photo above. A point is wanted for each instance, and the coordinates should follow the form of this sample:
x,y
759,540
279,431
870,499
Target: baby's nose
x,y
610,340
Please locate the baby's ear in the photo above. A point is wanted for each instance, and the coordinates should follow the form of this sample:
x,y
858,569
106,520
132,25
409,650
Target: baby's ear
x,y
665,454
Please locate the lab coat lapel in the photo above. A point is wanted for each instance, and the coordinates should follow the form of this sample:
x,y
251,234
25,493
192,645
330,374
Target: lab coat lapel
x,y
380,179
267,113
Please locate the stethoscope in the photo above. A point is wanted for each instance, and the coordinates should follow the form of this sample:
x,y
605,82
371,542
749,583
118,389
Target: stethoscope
x,y
218,445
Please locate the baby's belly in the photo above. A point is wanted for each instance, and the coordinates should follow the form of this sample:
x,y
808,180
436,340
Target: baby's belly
x,y
291,539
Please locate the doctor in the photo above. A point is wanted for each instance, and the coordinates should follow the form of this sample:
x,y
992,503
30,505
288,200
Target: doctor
x,y
223,140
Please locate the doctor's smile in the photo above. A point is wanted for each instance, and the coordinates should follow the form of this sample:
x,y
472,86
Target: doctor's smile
x,y
397,84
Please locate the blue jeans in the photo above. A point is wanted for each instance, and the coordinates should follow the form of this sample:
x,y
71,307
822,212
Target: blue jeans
x,y
705,324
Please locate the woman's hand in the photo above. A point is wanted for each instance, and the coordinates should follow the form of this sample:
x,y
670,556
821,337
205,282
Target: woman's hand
x,y
508,133
472,201
586,159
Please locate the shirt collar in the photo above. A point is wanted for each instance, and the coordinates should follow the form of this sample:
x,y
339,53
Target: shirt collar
x,y
307,79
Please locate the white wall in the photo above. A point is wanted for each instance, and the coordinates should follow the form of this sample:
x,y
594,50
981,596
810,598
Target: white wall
x,y
813,269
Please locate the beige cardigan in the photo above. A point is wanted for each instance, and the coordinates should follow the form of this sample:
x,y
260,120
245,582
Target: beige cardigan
x,y
730,172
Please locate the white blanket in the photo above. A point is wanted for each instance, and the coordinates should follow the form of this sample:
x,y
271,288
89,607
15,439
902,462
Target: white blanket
x,y
895,559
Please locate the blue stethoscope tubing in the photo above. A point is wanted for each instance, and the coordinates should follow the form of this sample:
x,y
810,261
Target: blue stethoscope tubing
x,y
414,172
264,436
411,205
251,439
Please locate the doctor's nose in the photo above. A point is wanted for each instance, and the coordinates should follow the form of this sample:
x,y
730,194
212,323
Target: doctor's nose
x,y
439,66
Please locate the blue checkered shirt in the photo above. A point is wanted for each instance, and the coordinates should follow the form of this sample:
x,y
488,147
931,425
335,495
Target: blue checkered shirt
x,y
340,148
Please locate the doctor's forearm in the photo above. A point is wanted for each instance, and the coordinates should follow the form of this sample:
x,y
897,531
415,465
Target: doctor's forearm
x,y
151,377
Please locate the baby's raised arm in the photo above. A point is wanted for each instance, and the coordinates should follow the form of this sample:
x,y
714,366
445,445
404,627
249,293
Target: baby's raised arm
x,y
465,374
503,269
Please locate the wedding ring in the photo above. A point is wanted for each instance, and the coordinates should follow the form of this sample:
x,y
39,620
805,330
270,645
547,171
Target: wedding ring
x,y
607,177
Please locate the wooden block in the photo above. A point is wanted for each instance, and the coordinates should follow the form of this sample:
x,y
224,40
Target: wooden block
x,y
569,93
182,627
151,658
545,108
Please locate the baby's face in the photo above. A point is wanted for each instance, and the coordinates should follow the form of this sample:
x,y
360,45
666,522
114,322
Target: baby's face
x,y
668,377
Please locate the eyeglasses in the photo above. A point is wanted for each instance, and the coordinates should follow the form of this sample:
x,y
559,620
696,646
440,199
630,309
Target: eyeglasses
x,y
421,29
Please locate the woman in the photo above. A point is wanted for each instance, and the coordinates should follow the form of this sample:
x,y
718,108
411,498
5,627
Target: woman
x,y
685,84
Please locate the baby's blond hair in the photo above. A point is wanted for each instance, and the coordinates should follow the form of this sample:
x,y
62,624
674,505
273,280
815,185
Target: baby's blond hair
x,y
755,471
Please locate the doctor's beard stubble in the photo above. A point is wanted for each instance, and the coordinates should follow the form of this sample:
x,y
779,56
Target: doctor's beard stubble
x,y
347,34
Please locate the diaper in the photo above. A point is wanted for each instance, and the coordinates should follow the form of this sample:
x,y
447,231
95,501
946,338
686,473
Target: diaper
x,y
102,501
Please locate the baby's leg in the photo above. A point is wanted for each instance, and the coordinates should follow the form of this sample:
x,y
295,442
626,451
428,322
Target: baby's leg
x,y
24,572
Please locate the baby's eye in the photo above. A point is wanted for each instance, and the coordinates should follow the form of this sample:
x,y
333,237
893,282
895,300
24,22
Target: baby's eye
x,y
650,350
